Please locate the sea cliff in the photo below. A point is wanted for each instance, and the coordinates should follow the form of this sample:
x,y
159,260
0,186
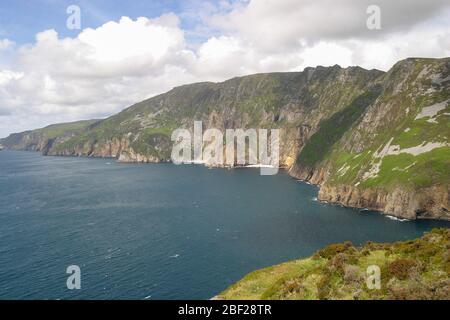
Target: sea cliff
x,y
369,139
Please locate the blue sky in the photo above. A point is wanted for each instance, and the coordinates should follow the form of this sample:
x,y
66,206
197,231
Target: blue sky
x,y
22,19
51,74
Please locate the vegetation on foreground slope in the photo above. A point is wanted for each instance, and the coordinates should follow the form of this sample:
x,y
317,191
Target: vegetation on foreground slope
x,y
414,269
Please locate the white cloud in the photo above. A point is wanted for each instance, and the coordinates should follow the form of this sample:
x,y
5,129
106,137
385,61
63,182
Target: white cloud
x,y
7,75
153,39
319,54
276,25
5,44
106,69
95,74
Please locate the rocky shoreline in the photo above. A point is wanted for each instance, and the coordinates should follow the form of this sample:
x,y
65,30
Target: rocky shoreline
x,y
430,203
367,138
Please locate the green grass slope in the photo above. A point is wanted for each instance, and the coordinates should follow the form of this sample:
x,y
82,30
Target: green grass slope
x,y
414,269
350,142
397,120
270,100
30,140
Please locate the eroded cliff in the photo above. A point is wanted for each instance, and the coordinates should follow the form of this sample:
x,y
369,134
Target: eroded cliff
x,y
370,139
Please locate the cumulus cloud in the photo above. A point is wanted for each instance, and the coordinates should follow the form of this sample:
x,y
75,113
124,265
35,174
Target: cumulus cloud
x,y
5,44
97,73
282,25
106,69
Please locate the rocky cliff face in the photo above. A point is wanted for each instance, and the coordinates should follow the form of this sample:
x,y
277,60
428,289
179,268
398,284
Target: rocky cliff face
x,y
42,140
426,203
295,103
368,138
395,156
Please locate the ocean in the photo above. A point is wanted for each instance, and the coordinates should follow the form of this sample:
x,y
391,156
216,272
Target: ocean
x,y
160,231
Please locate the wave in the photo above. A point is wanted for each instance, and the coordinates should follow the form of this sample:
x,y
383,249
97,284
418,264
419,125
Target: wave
x,y
396,219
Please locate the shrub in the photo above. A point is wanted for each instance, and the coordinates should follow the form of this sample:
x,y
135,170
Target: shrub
x,y
352,273
293,286
340,261
418,291
324,287
376,246
399,293
442,289
401,268
447,264
333,249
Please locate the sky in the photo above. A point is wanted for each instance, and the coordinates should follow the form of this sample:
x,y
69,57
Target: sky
x,y
127,51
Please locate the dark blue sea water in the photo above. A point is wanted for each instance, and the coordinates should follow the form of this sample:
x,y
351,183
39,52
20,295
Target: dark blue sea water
x,y
159,231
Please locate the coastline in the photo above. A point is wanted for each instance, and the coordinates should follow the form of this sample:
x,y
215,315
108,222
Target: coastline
x,y
321,196
340,272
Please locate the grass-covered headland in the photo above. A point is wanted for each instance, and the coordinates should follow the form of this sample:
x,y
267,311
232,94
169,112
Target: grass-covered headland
x,y
414,269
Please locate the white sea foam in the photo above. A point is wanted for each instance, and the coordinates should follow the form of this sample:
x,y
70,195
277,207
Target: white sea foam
x,y
396,219
259,166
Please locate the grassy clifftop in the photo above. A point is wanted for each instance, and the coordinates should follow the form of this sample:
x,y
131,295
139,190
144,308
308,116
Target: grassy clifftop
x,y
403,138
273,100
37,140
370,139
389,150
414,269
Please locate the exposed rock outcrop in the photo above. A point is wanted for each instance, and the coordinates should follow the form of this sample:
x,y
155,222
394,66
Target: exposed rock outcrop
x,y
427,203
369,139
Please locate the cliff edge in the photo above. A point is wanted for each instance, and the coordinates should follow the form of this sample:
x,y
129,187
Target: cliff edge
x,y
369,139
